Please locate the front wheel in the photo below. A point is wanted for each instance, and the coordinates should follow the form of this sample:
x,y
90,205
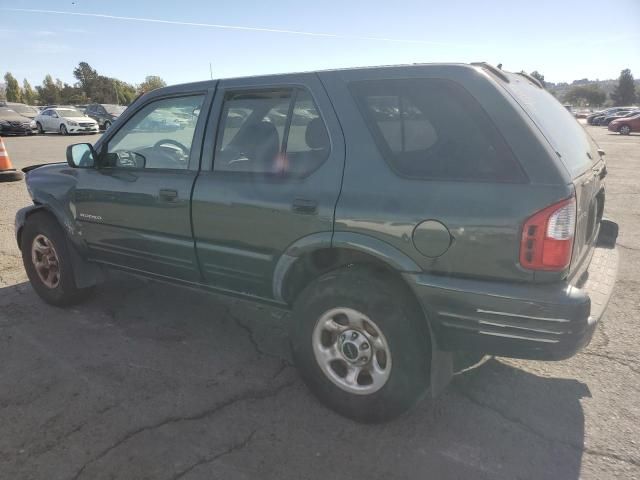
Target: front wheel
x,y
107,124
625,130
361,344
63,130
47,261
40,129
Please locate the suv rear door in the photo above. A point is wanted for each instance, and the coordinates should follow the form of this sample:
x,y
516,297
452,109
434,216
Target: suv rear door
x,y
271,174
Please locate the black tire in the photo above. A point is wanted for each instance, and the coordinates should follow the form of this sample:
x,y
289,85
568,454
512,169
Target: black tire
x,y
624,130
107,124
40,129
66,292
63,130
395,311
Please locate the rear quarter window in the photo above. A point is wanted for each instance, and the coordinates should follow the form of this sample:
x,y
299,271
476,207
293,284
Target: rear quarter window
x,y
434,129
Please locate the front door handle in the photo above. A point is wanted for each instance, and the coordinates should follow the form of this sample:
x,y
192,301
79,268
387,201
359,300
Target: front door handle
x,y
302,205
168,194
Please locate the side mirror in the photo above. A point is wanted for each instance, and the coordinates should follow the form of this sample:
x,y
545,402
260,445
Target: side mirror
x,y
81,155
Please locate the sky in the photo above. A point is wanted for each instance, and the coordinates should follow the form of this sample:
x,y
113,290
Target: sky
x,y
563,39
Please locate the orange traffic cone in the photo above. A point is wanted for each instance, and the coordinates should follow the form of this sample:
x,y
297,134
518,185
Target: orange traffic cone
x,y
7,172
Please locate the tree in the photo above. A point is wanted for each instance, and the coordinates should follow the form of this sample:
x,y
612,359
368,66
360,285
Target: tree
x,y
48,92
538,76
13,92
151,82
29,95
625,92
126,92
87,78
591,95
72,95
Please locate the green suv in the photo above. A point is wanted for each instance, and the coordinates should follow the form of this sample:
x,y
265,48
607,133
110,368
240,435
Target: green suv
x,y
405,215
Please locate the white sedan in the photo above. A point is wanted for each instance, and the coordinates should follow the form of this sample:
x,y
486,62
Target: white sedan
x,y
65,120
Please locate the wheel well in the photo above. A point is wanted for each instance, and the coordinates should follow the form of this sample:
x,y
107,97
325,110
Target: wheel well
x,y
318,262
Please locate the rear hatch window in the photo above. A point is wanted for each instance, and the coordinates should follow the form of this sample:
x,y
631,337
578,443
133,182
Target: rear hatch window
x,y
562,130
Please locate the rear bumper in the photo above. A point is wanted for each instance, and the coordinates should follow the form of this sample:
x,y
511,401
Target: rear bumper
x,y
613,127
532,321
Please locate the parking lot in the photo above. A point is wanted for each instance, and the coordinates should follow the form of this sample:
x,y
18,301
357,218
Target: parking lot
x,y
148,381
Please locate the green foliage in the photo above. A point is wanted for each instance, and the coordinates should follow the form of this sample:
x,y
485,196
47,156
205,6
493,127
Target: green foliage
x,y
624,93
29,95
13,92
583,95
151,83
48,92
538,76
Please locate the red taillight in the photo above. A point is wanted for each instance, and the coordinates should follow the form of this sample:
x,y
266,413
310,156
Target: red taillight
x,y
547,237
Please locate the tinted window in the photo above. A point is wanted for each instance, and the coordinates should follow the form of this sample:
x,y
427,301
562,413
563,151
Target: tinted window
x,y
157,136
565,134
270,132
434,129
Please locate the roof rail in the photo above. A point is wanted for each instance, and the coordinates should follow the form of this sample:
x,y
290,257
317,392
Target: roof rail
x,y
495,70
533,80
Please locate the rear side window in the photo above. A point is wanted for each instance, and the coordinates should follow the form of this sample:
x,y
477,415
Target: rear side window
x,y
271,132
434,129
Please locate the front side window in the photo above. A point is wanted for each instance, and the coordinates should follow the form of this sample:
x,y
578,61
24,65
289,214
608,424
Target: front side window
x,y
271,132
434,129
159,135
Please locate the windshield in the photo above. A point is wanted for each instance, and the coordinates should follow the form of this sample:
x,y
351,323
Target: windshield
x,y
7,112
24,109
114,109
69,113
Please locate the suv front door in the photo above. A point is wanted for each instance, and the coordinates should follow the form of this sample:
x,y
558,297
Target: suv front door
x,y
271,172
134,208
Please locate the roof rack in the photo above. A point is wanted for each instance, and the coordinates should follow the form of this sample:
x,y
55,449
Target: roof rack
x,y
533,80
495,70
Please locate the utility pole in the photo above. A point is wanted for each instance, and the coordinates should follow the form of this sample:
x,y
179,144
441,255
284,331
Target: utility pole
x,y
210,71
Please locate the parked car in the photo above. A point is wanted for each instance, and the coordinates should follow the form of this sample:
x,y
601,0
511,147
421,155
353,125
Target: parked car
x,y
65,120
12,123
626,125
105,114
24,110
397,241
591,119
620,114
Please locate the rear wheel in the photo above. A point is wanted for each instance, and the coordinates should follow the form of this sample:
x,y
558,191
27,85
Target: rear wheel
x,y
40,129
360,343
47,261
107,124
625,130
63,130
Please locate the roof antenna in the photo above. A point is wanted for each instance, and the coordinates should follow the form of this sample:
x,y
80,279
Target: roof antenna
x,y
499,66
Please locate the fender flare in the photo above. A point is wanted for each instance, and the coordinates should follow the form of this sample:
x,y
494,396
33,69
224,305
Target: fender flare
x,y
359,242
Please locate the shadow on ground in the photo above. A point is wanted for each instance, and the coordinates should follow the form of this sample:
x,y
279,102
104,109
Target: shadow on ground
x,y
148,381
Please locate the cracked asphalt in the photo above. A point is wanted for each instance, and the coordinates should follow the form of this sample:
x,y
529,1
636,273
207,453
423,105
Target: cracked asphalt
x,y
147,381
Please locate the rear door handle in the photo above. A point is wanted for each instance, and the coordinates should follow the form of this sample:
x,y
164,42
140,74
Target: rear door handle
x,y
168,194
302,205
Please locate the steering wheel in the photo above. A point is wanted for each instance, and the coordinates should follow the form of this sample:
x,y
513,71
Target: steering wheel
x,y
180,158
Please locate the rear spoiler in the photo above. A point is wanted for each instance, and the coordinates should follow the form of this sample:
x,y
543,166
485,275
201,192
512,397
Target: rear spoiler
x,y
533,80
495,70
